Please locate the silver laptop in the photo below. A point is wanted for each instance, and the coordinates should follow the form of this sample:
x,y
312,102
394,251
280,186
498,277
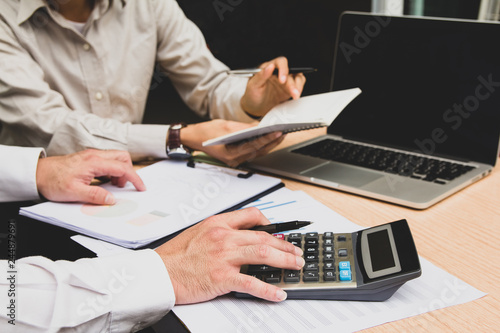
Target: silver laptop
x,y
427,122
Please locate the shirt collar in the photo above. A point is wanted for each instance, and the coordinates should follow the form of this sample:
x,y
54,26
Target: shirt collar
x,y
28,7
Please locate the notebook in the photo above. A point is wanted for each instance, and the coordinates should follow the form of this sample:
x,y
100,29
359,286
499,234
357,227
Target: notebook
x,y
428,121
289,117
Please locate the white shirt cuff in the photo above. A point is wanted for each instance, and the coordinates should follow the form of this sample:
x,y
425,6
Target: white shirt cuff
x,y
18,176
149,294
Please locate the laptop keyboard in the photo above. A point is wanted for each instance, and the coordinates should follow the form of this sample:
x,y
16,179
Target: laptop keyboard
x,y
417,167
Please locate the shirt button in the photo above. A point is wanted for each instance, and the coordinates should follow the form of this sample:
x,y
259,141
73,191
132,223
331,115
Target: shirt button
x,y
86,46
98,96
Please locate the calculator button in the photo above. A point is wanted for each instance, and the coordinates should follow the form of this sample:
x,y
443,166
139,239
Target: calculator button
x,y
311,277
295,235
311,250
295,243
329,265
329,275
312,242
311,266
292,276
279,236
328,249
328,234
341,238
311,257
256,269
345,275
272,277
328,256
312,235
328,241
344,265
342,252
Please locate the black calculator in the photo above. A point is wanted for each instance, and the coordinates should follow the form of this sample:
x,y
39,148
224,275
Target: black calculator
x,y
367,265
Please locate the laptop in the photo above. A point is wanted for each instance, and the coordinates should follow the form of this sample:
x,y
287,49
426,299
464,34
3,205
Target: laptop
x,y
427,122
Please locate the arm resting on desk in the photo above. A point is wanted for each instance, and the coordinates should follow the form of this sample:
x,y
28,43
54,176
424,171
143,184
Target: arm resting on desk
x,y
122,293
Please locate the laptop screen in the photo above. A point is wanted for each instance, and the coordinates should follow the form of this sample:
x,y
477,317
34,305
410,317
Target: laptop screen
x,y
428,85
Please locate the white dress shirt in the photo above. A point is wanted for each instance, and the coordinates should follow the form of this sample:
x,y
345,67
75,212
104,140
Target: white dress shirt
x,y
122,293
18,173
66,91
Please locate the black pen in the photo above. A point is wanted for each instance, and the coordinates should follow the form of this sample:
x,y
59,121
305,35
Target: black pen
x,y
280,227
253,71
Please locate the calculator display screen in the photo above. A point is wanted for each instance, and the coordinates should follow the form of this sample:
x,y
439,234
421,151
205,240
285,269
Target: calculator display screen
x,y
379,252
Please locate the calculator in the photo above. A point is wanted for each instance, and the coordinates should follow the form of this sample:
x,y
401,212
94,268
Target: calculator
x,y
367,265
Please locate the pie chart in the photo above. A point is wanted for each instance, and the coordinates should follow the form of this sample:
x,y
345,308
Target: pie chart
x,y
120,208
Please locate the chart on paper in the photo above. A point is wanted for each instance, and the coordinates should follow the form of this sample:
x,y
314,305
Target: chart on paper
x,y
177,197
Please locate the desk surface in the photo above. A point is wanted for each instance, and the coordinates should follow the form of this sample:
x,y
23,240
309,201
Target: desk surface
x,y
459,234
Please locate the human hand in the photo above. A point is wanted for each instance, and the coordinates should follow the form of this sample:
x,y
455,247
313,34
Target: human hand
x,y
68,178
265,90
193,136
204,261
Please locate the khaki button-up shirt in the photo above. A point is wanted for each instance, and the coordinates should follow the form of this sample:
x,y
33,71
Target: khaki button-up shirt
x,y
66,91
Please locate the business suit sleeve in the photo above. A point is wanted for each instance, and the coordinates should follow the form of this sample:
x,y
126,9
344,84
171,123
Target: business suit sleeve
x,y
122,293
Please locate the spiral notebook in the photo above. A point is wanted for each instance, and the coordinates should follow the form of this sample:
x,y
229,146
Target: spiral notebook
x,y
308,112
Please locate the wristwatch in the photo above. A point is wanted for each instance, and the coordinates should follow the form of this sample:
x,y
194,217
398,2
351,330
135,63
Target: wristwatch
x,y
175,149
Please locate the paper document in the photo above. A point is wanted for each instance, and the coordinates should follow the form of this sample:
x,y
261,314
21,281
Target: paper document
x,y
177,196
295,115
434,289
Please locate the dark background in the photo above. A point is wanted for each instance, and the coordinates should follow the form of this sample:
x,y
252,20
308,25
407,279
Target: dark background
x,y
245,33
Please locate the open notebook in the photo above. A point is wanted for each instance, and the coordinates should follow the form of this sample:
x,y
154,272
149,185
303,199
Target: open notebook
x,y
177,197
295,115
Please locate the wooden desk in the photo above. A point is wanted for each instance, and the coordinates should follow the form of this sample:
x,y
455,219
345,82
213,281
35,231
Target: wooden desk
x,y
459,235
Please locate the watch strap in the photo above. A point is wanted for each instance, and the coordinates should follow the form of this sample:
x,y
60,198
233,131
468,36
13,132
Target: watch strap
x,y
175,149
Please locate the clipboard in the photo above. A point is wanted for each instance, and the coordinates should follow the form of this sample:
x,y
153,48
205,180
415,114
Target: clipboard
x,y
178,196
165,239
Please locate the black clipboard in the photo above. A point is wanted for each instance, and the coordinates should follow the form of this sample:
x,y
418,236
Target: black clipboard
x,y
163,240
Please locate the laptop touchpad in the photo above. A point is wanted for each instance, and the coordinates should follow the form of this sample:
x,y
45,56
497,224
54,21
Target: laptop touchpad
x,y
341,174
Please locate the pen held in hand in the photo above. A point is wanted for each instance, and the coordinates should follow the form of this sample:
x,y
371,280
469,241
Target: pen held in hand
x,y
248,72
280,227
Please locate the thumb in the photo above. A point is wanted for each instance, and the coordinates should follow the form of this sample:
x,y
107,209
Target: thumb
x,y
261,77
95,195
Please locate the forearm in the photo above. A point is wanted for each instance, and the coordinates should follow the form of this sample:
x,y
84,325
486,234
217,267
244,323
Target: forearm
x,y
82,131
226,100
121,293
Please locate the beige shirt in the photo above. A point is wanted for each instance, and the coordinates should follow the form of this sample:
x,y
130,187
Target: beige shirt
x,y
66,91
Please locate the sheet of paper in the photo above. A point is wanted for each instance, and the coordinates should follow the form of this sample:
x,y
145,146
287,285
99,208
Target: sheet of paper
x,y
99,247
433,290
295,115
177,196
